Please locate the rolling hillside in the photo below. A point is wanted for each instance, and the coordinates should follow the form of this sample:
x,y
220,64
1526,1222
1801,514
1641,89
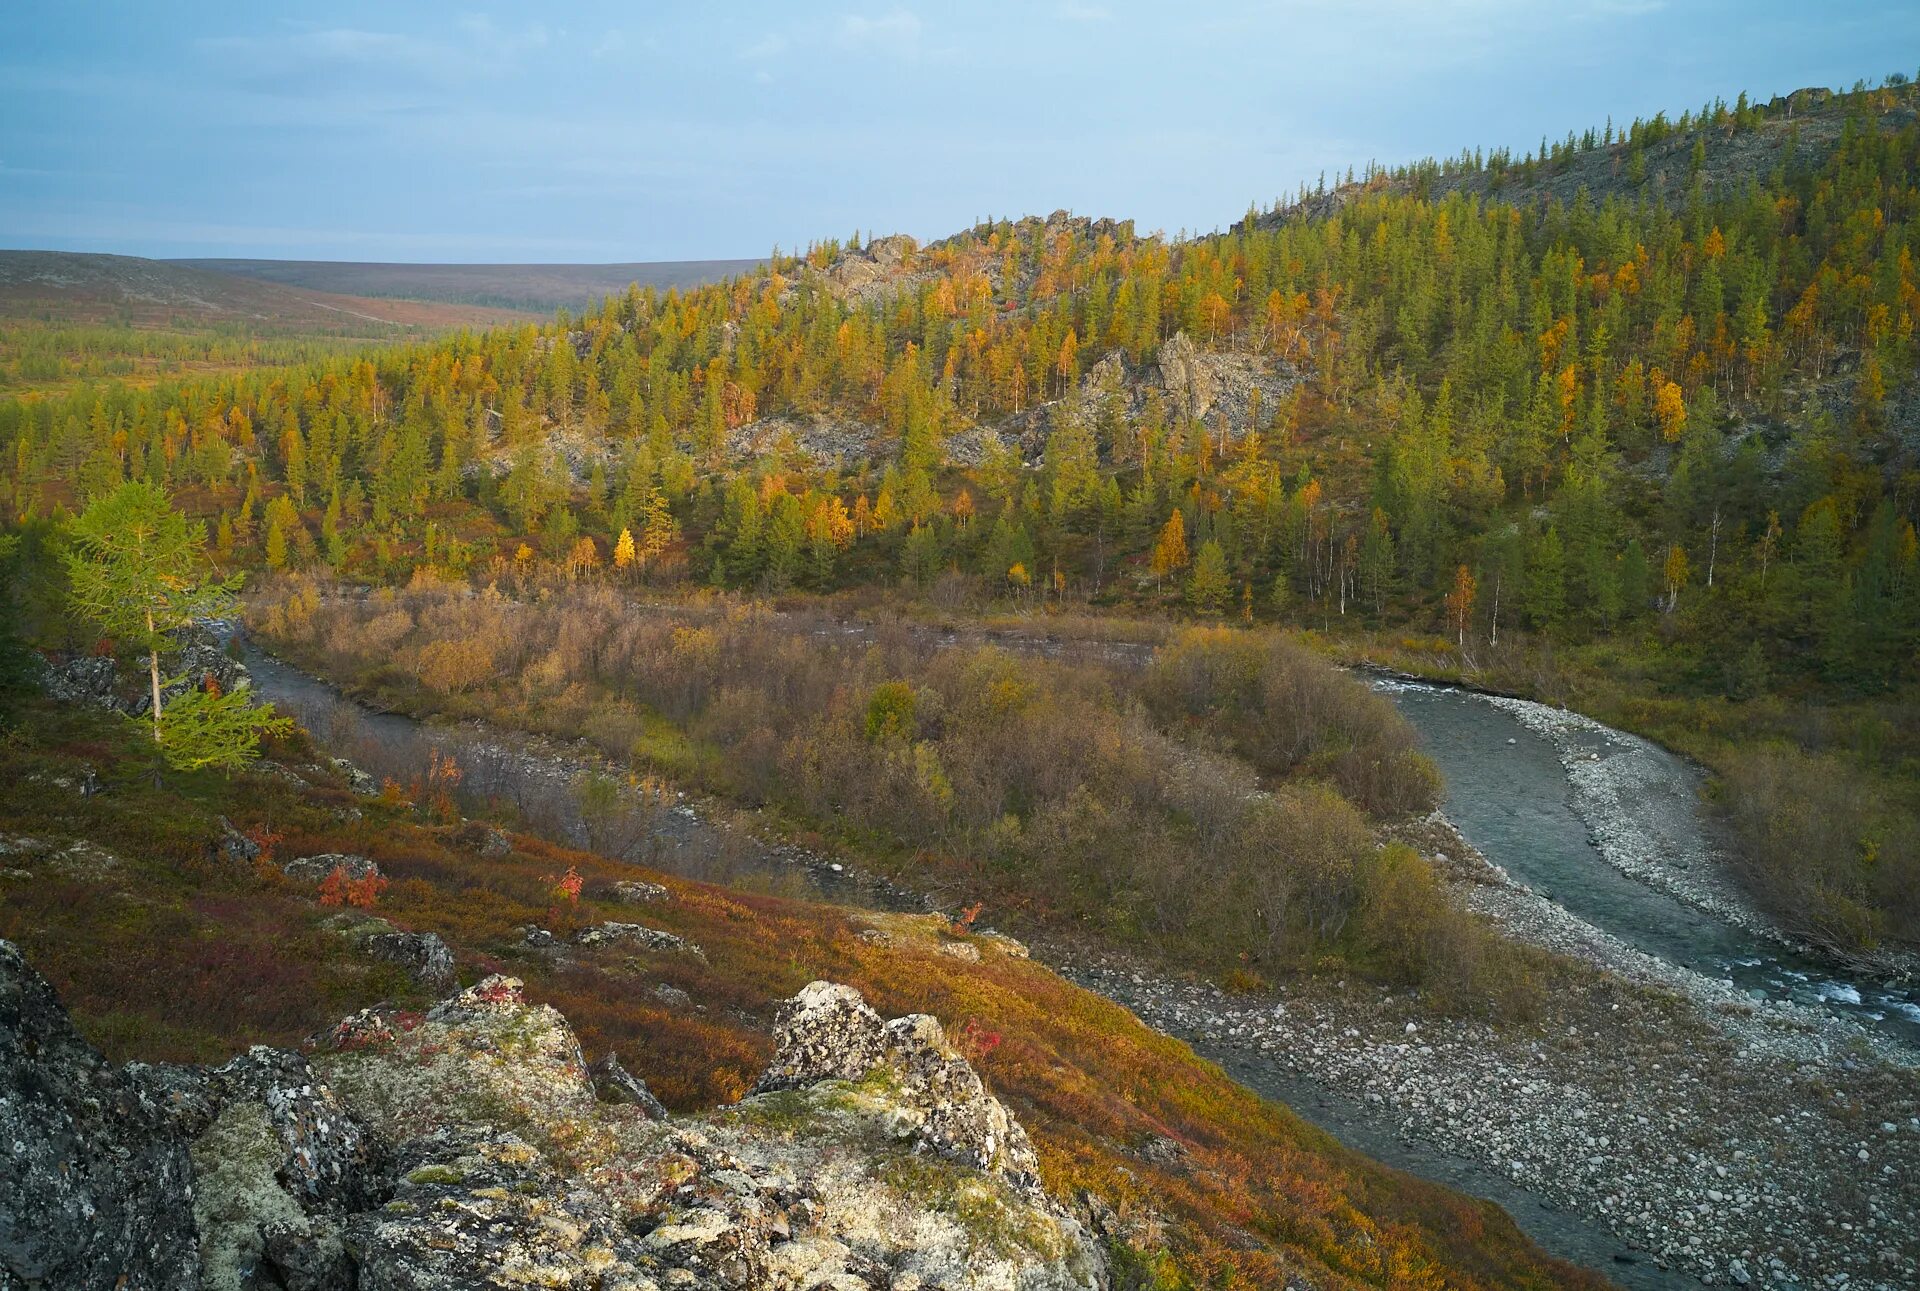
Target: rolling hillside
x,y
540,287
73,287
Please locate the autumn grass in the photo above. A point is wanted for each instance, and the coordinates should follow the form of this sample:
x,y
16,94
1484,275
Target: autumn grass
x,y
175,954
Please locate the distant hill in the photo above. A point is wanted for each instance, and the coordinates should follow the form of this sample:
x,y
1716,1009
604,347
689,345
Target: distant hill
x,y
540,287
1658,165
67,287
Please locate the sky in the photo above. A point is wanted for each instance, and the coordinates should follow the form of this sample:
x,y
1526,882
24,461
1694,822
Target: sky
x,y
645,130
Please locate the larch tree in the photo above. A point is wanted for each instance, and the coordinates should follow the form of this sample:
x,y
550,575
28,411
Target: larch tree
x,y
1670,410
1209,587
1170,549
1460,603
1676,571
137,569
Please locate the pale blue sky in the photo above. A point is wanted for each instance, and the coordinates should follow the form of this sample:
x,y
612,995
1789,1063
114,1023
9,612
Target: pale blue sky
x,y
645,131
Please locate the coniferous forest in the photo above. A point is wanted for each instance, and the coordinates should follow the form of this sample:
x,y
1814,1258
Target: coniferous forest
x,y
1630,418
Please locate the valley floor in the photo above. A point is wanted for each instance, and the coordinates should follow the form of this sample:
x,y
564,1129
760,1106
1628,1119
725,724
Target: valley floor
x,y
1716,1138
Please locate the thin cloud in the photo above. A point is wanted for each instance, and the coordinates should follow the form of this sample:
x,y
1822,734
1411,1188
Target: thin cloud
x,y
896,31
771,45
294,62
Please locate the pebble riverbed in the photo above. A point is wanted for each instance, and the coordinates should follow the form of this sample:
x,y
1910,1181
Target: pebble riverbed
x,y
1742,1143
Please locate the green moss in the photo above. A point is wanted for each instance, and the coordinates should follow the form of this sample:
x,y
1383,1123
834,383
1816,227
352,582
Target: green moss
x,y
435,1174
785,1112
993,1222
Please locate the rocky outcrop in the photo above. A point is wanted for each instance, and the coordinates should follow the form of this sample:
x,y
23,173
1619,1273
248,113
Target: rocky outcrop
x,y
81,679
473,1147
97,681
616,1084
1227,391
827,1032
872,272
96,1186
516,1163
818,437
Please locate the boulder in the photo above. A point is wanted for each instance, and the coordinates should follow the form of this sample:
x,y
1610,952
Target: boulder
x,y
828,1032
357,780
315,869
423,954
672,996
235,846
637,892
632,934
96,1185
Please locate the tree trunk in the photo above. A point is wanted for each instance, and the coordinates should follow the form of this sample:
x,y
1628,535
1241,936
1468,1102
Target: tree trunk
x,y
153,674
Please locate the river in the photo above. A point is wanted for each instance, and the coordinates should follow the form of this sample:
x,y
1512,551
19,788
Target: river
x,y
1563,804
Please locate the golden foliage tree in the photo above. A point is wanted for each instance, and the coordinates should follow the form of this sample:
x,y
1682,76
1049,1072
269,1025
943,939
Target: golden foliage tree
x,y
1170,549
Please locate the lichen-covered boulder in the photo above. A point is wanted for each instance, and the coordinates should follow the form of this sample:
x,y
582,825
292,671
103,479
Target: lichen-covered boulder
x,y
96,1186
329,1158
235,846
357,780
637,892
279,1171
315,869
636,935
482,1056
827,1032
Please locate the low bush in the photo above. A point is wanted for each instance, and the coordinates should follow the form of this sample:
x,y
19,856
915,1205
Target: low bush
x,y
1829,855
1213,806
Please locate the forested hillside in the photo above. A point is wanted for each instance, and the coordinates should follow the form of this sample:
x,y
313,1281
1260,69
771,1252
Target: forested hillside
x,y
1647,391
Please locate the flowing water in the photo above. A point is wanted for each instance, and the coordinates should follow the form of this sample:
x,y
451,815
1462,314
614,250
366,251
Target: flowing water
x,y
1548,809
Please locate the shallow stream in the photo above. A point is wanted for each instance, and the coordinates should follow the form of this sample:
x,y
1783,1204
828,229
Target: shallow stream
x,y
1562,804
